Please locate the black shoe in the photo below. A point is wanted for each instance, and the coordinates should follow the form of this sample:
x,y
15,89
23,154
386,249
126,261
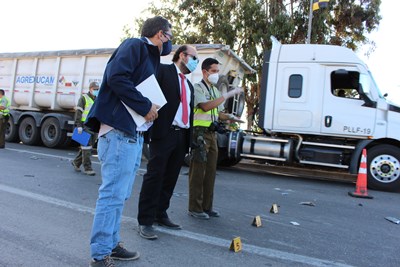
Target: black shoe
x,y
147,232
106,262
166,222
212,213
120,253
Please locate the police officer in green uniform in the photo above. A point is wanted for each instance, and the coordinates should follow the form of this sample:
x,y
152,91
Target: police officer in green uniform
x,y
82,110
4,115
208,107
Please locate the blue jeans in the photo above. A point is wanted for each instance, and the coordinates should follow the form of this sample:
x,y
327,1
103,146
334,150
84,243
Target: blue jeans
x,y
120,155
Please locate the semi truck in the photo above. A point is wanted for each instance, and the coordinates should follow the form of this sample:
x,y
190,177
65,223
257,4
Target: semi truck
x,y
319,108
44,88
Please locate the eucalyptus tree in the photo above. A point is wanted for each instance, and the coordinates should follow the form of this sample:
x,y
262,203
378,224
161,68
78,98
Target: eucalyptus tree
x,y
246,26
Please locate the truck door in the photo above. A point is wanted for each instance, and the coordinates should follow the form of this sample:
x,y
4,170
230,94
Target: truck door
x,y
297,104
344,112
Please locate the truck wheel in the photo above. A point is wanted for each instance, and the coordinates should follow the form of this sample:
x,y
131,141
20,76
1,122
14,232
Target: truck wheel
x,y
384,167
29,134
11,131
236,103
223,84
51,133
223,87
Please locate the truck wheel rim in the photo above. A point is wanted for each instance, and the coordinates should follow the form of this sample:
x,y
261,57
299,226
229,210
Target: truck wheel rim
x,y
385,168
51,132
28,131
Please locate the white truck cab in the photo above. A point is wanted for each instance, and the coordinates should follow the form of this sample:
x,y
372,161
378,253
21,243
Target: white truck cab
x,y
320,107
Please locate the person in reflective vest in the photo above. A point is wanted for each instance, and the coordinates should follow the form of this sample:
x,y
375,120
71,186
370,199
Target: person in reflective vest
x,y
82,110
4,115
208,107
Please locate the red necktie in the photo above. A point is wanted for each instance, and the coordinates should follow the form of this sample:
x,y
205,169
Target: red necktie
x,y
185,116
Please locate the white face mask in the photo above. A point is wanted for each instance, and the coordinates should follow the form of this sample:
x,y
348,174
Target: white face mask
x,y
213,78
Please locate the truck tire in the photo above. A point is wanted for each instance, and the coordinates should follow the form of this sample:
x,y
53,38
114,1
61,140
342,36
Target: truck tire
x,y
223,87
384,167
51,133
223,84
29,134
11,131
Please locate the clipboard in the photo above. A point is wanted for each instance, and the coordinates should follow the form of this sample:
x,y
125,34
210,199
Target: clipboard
x,y
82,138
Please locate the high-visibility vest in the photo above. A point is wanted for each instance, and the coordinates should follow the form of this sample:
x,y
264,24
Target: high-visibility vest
x,y
205,118
88,105
5,103
202,118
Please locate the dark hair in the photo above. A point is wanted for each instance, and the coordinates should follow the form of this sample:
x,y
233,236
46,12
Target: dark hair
x,y
2,92
206,65
153,25
181,49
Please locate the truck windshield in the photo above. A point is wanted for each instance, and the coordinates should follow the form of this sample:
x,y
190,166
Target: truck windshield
x,y
370,83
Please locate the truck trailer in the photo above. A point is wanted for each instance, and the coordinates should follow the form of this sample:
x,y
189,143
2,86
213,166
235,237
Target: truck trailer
x,y
44,88
319,108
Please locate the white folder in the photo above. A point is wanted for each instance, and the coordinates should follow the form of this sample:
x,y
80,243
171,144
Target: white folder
x,y
150,89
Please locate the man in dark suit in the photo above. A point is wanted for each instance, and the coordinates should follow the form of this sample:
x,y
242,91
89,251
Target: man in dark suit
x,y
169,142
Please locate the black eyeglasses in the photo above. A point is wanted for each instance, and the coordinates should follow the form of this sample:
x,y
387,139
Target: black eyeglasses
x,y
193,56
169,36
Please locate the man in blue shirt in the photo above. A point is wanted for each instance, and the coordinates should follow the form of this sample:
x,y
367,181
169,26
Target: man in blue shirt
x,y
120,143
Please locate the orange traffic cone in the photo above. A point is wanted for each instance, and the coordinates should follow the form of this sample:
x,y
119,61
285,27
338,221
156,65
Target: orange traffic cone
x,y
361,184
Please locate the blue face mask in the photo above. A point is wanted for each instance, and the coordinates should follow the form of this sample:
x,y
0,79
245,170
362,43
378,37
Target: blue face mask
x,y
192,64
167,48
95,93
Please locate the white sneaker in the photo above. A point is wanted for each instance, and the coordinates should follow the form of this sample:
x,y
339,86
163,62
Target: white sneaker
x,y
199,215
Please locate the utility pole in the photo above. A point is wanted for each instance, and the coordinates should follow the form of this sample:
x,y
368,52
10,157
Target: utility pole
x,y
310,17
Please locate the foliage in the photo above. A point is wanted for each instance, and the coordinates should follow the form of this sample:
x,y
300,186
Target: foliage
x,y
246,26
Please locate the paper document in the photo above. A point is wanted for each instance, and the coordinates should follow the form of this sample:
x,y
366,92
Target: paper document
x,y
150,89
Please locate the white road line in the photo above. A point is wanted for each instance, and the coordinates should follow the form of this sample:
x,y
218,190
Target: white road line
x,y
40,154
52,156
266,252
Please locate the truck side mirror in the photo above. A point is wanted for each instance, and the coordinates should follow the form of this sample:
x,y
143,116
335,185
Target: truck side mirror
x,y
368,102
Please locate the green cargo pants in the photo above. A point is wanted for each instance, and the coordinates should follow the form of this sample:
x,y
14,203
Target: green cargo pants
x,y
3,126
202,171
84,154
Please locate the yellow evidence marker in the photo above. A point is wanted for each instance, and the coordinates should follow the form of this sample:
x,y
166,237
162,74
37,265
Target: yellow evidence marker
x,y
257,221
274,208
236,244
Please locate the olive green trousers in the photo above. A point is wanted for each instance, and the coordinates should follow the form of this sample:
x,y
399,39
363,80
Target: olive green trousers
x,y
202,171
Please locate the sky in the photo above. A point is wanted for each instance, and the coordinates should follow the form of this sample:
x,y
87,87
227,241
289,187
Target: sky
x,y
42,25
383,62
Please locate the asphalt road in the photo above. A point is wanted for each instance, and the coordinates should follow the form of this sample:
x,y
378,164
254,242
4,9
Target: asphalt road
x,y
46,211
